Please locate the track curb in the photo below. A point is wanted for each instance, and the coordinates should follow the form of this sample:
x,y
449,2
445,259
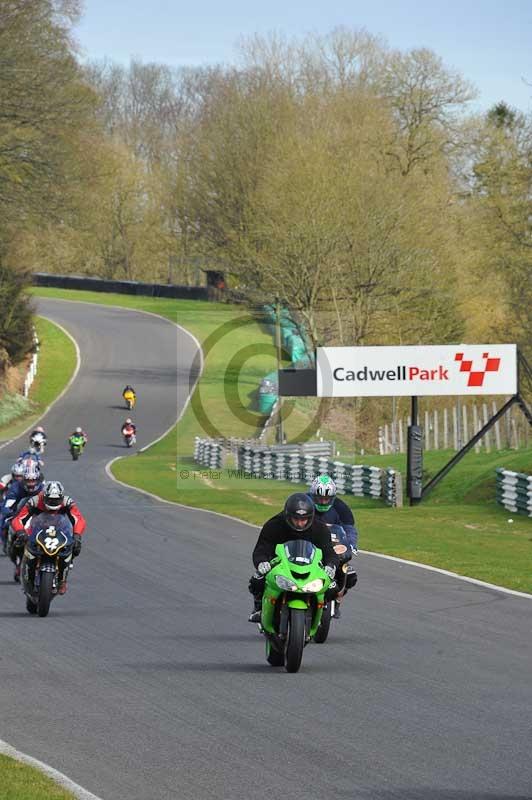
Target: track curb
x,y
64,781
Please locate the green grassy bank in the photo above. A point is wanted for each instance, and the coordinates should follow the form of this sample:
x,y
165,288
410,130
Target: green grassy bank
x,y
56,365
18,781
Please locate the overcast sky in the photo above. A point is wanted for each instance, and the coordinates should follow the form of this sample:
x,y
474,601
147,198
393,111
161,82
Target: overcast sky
x,y
488,41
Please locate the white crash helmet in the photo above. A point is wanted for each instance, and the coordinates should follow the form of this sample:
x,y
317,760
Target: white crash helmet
x,y
323,491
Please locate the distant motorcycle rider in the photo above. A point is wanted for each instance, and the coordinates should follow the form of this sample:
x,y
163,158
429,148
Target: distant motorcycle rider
x,y
16,475
296,521
18,492
51,500
32,454
129,396
11,478
78,435
129,428
38,439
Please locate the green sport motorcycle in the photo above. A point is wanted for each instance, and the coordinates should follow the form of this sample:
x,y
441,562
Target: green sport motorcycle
x,y
76,444
292,603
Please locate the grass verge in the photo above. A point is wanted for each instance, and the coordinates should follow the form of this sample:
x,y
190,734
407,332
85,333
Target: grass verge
x,y
22,782
57,361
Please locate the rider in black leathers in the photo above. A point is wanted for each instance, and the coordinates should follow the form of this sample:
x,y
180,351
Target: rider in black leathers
x,y
296,521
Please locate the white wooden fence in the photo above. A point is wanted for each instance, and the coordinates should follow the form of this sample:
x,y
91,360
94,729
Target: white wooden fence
x,y
452,428
32,369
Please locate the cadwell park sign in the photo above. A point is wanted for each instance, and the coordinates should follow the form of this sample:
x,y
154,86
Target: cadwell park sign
x,y
414,371
382,371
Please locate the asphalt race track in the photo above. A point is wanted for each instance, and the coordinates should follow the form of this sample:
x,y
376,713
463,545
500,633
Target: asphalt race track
x,y
146,682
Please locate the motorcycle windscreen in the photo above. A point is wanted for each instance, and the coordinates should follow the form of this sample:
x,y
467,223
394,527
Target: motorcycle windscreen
x,y
299,551
338,535
54,531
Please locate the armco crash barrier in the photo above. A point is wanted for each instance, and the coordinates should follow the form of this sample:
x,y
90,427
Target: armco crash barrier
x,y
514,491
301,464
126,287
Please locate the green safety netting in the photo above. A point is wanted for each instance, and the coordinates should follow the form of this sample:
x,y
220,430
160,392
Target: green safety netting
x,y
296,342
266,403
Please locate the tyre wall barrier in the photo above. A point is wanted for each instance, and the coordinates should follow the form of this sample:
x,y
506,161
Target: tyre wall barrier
x,y
301,464
513,490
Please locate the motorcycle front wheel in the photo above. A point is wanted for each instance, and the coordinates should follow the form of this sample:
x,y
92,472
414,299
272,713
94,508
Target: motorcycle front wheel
x,y
296,639
45,593
325,623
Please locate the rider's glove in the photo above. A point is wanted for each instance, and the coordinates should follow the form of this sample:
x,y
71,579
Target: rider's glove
x,y
264,567
19,539
354,550
331,571
76,547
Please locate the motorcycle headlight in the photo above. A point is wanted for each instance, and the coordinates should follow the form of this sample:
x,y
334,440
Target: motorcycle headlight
x,y
313,586
284,583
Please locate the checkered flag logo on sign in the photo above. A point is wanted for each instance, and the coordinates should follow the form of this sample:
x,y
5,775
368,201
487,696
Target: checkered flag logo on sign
x,y
476,376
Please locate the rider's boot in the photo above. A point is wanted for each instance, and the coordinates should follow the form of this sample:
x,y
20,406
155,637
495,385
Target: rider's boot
x,y
257,609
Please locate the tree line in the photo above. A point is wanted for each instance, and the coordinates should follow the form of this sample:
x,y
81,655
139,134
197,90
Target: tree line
x,y
347,178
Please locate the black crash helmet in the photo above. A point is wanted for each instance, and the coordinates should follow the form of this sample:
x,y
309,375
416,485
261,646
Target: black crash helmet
x,y
299,506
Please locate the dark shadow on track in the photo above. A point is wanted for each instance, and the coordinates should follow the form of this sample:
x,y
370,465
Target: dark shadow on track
x,y
163,375
12,614
215,637
202,666
198,666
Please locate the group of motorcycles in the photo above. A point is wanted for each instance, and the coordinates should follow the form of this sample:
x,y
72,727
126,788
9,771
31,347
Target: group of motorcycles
x,y
48,541
129,430
299,599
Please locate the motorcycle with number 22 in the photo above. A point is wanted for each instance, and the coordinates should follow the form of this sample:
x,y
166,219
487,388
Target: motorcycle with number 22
x,y
49,542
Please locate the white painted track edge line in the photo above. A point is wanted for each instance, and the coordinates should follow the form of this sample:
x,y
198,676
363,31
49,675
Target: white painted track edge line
x,y
63,780
450,574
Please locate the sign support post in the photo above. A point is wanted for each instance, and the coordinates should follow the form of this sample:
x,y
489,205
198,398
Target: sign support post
x,y
279,428
414,456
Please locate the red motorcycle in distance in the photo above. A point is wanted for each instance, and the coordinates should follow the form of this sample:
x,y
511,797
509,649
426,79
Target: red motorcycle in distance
x,y
129,433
